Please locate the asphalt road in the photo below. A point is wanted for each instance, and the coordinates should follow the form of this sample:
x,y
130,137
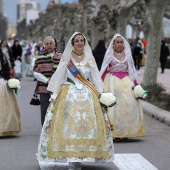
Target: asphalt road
x,y
19,152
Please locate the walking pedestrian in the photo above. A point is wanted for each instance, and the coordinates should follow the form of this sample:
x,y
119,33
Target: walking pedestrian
x,y
164,53
7,53
137,55
18,68
119,76
45,66
75,129
99,52
33,57
10,122
16,50
40,46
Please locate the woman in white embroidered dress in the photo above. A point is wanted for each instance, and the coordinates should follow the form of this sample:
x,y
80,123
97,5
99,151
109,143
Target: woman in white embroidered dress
x,y
10,122
75,128
119,76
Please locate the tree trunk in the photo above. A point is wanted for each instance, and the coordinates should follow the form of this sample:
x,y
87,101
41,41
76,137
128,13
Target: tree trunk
x,y
96,35
121,24
123,15
154,40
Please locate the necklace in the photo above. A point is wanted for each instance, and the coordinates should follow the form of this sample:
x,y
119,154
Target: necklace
x,y
79,55
119,53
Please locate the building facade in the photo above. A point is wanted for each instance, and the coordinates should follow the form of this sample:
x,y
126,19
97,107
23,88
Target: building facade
x,y
28,10
1,6
3,21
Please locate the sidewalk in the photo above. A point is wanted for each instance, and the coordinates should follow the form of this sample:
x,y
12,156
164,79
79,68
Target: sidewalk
x,y
162,78
151,110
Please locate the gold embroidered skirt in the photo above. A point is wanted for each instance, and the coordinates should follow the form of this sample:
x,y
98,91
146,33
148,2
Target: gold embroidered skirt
x,y
127,116
75,129
9,112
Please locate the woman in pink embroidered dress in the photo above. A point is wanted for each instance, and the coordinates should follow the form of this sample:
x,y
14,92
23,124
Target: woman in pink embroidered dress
x,y
119,76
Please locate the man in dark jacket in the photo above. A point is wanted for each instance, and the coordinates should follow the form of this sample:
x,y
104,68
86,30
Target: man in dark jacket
x,y
164,53
137,55
99,52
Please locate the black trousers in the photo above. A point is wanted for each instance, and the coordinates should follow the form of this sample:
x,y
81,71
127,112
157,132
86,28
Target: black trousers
x,y
137,62
44,103
163,64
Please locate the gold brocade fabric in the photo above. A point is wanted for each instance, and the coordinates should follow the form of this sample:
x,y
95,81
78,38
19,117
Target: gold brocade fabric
x,y
9,112
75,128
127,116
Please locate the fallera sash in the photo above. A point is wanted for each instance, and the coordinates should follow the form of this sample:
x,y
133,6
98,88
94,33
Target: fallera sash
x,y
76,73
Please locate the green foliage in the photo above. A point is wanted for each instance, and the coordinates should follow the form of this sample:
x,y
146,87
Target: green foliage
x,y
157,96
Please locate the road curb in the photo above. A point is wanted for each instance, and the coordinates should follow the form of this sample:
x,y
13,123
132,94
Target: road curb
x,y
156,112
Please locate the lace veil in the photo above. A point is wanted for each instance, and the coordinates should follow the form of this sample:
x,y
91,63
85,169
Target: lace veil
x,y
109,56
59,76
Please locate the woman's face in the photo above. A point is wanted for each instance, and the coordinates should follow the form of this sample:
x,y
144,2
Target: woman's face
x,y
118,44
79,43
4,43
16,43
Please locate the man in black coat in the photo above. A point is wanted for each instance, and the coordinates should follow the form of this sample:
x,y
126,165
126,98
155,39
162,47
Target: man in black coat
x,y
99,52
137,55
164,53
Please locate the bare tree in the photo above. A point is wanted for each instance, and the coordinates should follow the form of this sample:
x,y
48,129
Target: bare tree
x,y
167,11
123,10
155,12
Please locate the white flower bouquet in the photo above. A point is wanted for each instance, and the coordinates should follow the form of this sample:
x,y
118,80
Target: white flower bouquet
x,y
139,92
107,99
14,84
